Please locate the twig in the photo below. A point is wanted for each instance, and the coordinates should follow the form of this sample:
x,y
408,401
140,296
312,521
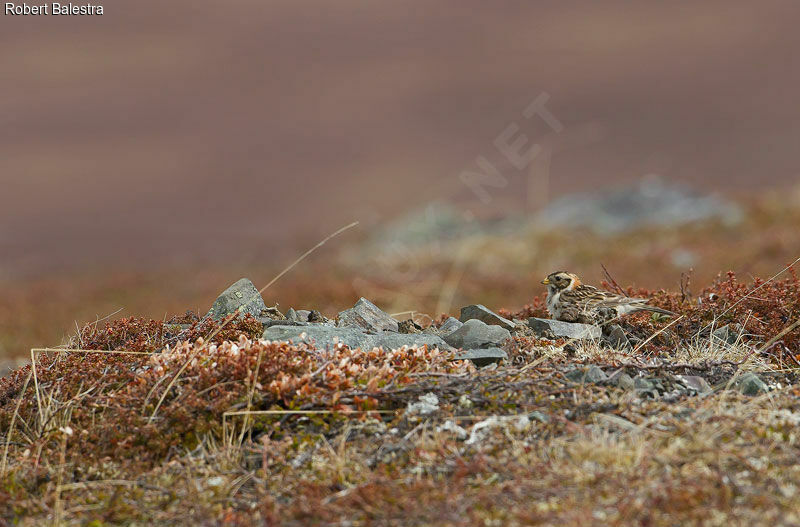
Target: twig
x,y
612,281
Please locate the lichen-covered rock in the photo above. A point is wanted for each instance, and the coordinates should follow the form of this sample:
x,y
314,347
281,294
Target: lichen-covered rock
x,y
549,328
694,383
450,325
592,374
242,295
751,384
485,315
368,316
482,357
475,334
324,336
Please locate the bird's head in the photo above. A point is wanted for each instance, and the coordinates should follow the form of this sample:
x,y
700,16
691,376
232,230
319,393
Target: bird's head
x,y
561,281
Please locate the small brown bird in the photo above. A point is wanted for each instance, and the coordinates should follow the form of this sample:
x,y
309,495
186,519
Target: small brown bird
x,y
571,301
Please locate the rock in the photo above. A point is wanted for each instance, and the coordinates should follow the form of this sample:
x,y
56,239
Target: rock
x,y
450,325
695,383
482,357
272,313
426,405
299,315
625,381
316,316
549,328
476,334
322,336
487,316
614,336
269,322
243,294
728,334
592,374
409,326
390,340
751,384
648,387
366,315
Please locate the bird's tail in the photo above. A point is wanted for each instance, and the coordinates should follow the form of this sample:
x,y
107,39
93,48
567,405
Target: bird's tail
x,y
655,309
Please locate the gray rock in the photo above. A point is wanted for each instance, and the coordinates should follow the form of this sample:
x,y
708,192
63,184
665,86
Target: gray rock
x,y
549,328
751,384
694,383
485,315
243,294
728,334
475,334
648,387
615,337
450,325
625,381
390,340
322,336
592,374
269,322
482,357
297,315
366,315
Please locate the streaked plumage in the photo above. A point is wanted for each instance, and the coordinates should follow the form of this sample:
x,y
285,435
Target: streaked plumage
x,y
571,301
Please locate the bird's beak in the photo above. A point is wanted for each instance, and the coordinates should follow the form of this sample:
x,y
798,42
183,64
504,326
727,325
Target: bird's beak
x,y
545,281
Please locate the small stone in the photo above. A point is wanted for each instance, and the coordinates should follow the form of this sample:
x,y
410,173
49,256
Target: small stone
x,y
625,382
482,357
615,337
592,374
475,334
367,315
751,384
409,326
728,334
299,315
242,295
272,313
695,383
549,328
216,481
450,325
316,316
426,405
485,315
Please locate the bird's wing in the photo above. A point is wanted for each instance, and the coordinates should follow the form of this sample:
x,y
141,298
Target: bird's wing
x,y
590,296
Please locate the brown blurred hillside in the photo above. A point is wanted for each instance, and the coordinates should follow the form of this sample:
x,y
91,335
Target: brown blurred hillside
x,y
174,132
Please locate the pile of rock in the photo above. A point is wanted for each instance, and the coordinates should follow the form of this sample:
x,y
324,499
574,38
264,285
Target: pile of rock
x,y
479,335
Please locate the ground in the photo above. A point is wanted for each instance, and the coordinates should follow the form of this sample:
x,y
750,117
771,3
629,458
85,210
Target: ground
x,y
217,427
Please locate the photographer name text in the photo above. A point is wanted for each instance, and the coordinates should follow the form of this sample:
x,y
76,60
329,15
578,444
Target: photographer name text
x,y
52,9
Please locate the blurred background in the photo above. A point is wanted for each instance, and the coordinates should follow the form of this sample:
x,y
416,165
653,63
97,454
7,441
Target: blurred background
x,y
152,156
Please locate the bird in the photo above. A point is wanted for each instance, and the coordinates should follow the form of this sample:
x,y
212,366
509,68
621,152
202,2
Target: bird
x,y
569,300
